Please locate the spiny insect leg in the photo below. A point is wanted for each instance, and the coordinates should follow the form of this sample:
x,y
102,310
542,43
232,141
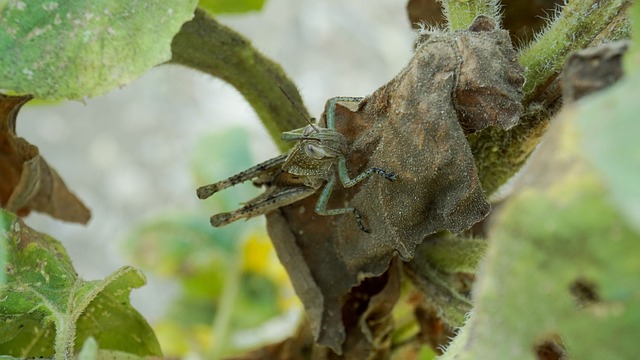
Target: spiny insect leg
x,y
204,192
321,205
356,212
348,182
276,200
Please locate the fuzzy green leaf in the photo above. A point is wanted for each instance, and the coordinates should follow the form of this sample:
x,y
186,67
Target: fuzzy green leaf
x,y
562,261
77,49
46,309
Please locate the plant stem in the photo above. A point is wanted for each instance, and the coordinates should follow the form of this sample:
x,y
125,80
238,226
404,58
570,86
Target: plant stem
x,y
572,29
65,336
460,13
227,303
450,253
451,305
210,47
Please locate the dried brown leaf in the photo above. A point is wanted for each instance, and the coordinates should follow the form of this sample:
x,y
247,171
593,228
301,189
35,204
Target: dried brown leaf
x,y
489,88
28,182
592,69
411,127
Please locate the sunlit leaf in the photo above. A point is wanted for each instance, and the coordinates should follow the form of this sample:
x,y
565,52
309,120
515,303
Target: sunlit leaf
x,y
231,6
76,49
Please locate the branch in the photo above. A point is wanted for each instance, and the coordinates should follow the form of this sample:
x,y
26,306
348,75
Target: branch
x,y
208,46
460,14
574,28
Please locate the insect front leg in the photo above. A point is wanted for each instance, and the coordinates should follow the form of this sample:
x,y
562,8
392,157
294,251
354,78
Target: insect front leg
x,y
342,162
321,205
331,122
262,205
204,192
348,182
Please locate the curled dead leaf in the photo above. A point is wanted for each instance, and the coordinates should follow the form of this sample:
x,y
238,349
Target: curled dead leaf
x,y
28,182
489,85
592,69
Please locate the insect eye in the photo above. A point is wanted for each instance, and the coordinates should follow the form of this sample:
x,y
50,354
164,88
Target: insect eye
x,y
308,130
314,151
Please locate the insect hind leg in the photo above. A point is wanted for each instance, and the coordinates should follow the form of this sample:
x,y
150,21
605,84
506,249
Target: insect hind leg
x,y
261,205
204,192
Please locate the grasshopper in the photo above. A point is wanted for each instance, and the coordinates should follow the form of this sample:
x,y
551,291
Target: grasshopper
x,y
291,177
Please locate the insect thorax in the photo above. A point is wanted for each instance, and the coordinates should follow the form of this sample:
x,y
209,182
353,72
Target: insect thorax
x,y
299,163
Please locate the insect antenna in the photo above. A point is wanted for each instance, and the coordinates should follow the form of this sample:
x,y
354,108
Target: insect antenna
x,y
300,111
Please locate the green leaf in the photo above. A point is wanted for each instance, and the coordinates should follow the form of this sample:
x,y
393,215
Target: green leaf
x,y
533,268
562,261
77,49
231,6
46,309
609,125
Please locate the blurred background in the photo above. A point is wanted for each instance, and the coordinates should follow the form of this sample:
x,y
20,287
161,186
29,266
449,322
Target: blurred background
x,y
136,155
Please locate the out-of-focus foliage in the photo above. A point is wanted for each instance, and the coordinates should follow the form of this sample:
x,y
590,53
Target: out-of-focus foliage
x,y
231,281
563,257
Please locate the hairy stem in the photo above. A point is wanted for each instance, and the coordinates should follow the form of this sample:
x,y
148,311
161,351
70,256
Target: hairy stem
x,y
460,13
450,254
451,305
572,29
210,47
64,340
500,154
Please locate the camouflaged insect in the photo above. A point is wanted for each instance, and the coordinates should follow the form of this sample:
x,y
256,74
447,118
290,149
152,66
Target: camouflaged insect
x,y
294,176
